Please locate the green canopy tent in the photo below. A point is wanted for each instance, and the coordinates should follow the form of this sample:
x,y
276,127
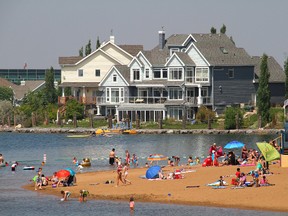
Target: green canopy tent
x,y
268,151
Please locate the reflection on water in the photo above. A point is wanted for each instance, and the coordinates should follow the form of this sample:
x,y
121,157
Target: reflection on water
x,y
30,148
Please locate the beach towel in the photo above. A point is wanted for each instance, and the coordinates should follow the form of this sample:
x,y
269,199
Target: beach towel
x,y
219,187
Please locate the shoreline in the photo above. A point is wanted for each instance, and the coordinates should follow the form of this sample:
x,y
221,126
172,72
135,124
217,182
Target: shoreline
x,y
144,131
272,198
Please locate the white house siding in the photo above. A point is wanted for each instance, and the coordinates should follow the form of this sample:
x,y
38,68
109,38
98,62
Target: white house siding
x,y
196,57
117,54
135,65
97,61
174,62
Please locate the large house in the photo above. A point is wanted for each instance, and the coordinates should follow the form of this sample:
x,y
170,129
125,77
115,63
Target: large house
x,y
182,73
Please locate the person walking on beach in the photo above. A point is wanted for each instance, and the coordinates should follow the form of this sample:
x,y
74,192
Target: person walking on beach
x,y
119,175
112,157
125,174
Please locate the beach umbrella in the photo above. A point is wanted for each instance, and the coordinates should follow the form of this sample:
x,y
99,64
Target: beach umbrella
x,y
157,157
268,151
72,172
152,172
234,145
62,173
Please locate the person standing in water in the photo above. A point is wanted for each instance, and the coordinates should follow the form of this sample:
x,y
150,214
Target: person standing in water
x,y
112,157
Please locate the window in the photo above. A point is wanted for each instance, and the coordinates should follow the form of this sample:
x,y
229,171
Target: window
x,y
175,94
147,73
175,112
231,73
202,75
160,73
224,51
175,74
97,73
136,74
80,73
190,75
115,95
172,50
114,78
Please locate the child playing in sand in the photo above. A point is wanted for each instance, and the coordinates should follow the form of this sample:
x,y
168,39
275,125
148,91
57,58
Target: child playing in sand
x,y
66,195
131,203
83,194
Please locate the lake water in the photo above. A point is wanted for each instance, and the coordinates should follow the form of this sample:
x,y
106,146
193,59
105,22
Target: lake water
x,y
28,149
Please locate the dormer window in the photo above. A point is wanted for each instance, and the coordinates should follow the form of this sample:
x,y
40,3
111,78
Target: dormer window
x,y
172,50
223,50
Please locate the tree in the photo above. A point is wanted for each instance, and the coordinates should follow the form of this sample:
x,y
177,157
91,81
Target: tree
x,y
6,108
223,29
74,107
263,93
98,43
231,114
88,48
81,51
6,94
286,81
50,93
204,114
213,30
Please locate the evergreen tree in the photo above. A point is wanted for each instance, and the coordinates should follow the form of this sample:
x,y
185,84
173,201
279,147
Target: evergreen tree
x,y
263,93
6,94
223,29
286,81
88,48
50,95
213,30
81,51
98,43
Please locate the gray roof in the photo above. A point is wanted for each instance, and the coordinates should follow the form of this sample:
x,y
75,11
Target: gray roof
x,y
124,71
185,58
28,86
157,57
211,46
71,60
132,49
277,74
79,84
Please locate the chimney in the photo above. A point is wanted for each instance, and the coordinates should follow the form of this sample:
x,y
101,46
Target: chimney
x,y
161,39
112,38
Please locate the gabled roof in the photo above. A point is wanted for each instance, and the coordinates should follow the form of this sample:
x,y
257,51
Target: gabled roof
x,y
29,86
157,57
6,83
185,58
132,49
220,50
71,60
277,74
123,71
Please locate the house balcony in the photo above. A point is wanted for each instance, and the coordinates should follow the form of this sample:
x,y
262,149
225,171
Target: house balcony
x,y
130,100
80,99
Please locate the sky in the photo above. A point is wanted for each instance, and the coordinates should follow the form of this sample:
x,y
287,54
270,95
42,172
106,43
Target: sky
x,y
39,32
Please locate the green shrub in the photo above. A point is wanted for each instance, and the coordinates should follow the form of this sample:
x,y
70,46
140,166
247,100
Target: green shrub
x,y
230,118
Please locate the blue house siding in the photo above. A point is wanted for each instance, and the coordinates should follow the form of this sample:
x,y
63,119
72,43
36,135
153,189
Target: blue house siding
x,y
233,90
277,91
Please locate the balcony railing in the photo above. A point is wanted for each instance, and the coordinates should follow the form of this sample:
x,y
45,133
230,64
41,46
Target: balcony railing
x,y
80,99
131,100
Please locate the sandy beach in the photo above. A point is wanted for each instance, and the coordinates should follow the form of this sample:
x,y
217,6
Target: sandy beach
x,y
270,198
